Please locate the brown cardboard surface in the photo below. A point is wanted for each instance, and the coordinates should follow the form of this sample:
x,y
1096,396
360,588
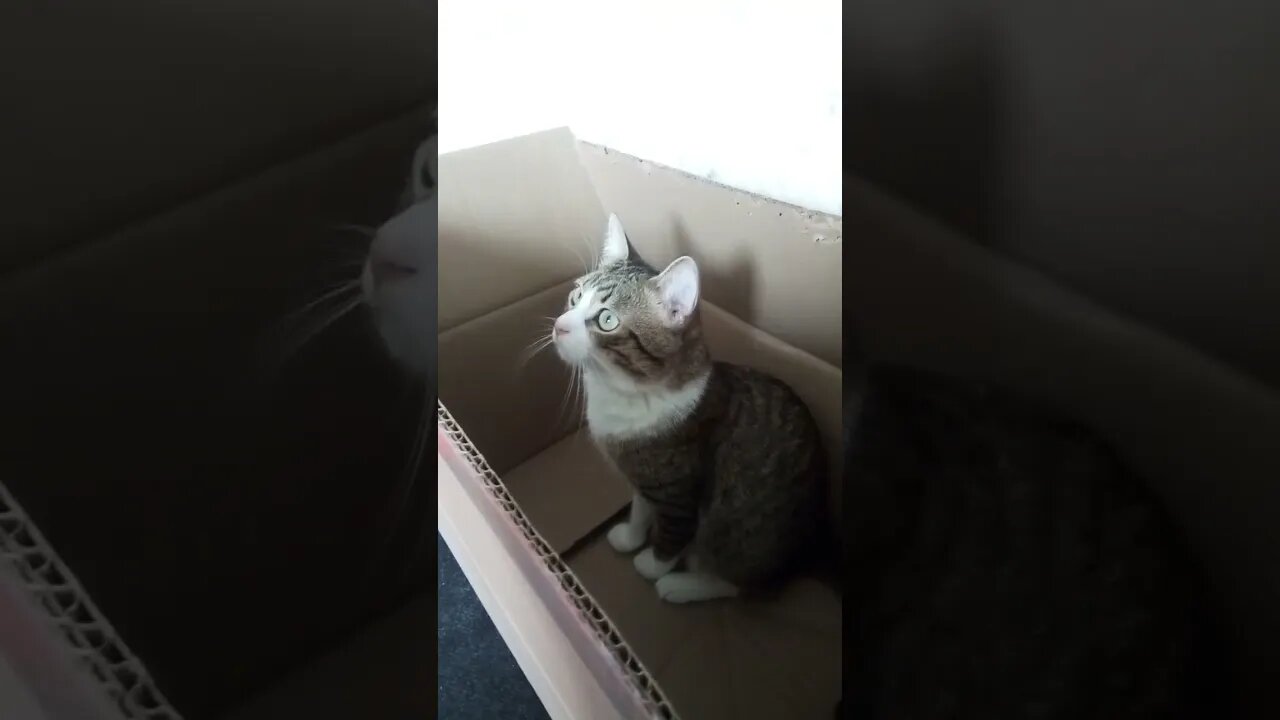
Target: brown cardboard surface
x,y
740,660
517,217
567,489
493,387
521,242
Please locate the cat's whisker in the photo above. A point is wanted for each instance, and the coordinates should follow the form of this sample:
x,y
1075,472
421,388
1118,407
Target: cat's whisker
x,y
330,294
530,351
540,339
321,324
592,253
409,477
566,403
424,528
364,231
563,402
582,397
581,261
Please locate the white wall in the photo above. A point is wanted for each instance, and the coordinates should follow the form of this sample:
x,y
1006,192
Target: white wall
x,y
744,92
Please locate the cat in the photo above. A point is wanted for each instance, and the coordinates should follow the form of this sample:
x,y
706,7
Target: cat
x,y
1005,563
726,462
398,277
397,284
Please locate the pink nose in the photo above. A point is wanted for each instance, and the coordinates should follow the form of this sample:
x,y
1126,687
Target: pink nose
x,y
561,328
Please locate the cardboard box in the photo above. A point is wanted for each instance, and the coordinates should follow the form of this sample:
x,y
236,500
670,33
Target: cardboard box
x,y
525,496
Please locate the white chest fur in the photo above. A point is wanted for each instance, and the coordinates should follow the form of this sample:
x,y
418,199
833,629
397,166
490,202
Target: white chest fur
x,y
618,409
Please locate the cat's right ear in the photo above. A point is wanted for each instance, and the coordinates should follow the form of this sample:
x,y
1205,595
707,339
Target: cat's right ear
x,y
615,243
678,290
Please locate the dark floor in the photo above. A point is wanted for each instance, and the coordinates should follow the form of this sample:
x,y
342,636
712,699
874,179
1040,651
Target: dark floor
x,y
479,679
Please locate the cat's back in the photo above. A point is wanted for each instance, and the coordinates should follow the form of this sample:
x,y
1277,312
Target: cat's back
x,y
767,477
745,404
755,426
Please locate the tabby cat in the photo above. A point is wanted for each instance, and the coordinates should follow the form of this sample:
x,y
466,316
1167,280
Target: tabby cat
x,y
726,462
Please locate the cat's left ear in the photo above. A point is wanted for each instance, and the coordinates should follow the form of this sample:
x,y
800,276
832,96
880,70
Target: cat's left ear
x,y
678,290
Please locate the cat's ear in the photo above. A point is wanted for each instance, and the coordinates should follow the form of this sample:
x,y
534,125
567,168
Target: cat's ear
x,y
678,290
615,243
425,162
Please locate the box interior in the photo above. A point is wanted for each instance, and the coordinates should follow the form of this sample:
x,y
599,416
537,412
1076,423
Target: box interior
x,y
771,300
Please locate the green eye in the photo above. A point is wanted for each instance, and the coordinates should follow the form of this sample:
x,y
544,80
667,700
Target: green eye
x,y
607,321
575,295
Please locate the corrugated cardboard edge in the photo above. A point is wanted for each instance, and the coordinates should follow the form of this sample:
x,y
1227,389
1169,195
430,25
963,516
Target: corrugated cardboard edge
x,y
89,637
570,590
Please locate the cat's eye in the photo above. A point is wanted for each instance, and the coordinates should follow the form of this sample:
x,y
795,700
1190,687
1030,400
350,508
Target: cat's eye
x,y
575,295
607,321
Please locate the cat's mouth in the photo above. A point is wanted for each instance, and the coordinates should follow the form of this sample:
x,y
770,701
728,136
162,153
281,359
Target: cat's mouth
x,y
378,275
569,351
385,271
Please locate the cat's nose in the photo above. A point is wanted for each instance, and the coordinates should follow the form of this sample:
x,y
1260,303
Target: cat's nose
x,y
561,328
385,271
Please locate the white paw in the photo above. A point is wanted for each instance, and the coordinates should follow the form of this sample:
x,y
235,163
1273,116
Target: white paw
x,y
625,537
685,587
650,567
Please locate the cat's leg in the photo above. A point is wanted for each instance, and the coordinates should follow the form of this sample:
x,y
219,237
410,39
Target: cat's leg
x,y
688,587
651,566
632,534
675,521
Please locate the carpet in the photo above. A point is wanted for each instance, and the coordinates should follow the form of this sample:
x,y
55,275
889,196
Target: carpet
x,y
479,678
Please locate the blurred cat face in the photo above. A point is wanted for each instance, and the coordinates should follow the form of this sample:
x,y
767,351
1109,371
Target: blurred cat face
x,y
398,280
624,319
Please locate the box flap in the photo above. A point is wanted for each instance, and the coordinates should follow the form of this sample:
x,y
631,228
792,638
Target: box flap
x,y
516,217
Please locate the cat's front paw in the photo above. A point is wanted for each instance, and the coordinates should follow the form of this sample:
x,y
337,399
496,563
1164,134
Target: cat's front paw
x,y
650,567
684,587
625,537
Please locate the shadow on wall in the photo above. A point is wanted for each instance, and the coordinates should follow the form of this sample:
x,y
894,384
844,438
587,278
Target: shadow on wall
x,y
1092,147
731,287
929,127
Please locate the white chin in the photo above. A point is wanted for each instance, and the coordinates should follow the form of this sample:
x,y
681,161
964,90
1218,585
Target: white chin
x,y
366,284
408,349
570,355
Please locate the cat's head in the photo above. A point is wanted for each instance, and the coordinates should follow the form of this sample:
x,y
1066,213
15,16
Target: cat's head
x,y
631,323
398,279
